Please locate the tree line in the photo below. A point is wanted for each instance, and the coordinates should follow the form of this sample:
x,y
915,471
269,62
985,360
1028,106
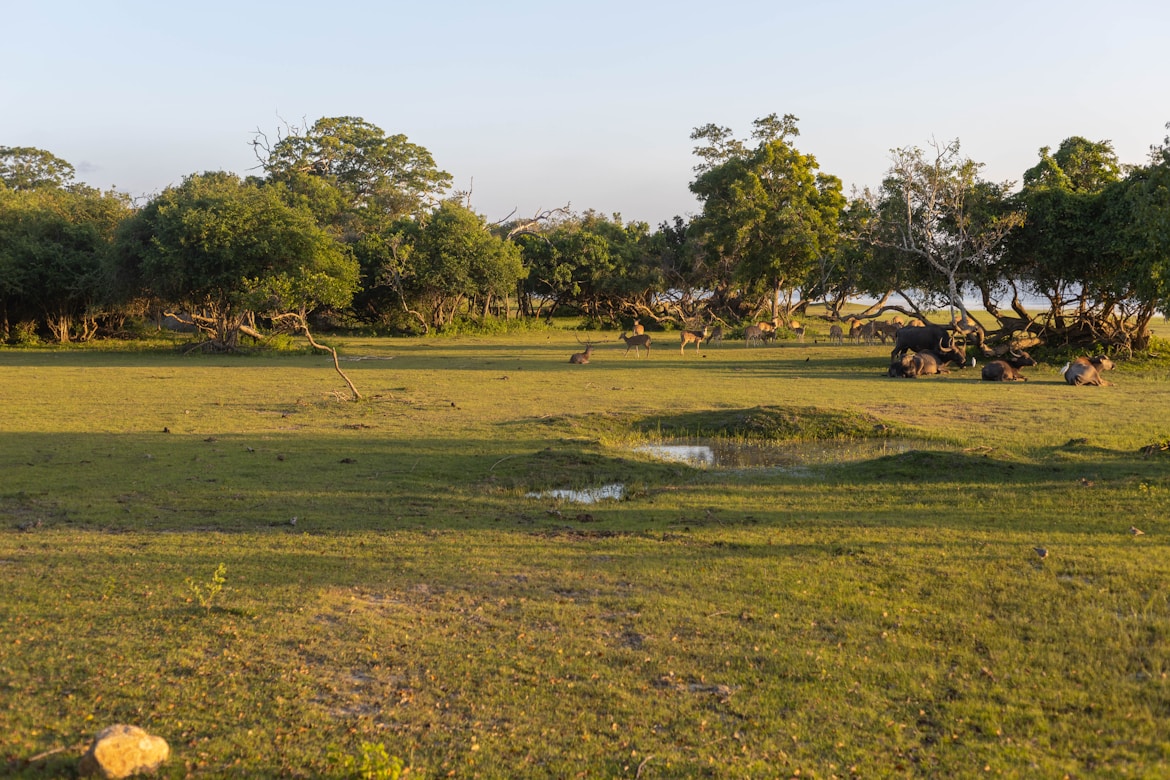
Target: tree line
x,y
346,226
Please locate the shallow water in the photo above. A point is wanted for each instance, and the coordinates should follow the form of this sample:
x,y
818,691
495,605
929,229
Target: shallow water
x,y
614,492
793,457
740,455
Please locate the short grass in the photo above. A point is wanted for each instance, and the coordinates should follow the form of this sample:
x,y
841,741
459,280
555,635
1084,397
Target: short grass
x,y
389,580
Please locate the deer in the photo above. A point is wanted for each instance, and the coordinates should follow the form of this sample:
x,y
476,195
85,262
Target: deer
x,y
716,334
836,335
693,336
752,333
638,327
581,358
637,341
798,329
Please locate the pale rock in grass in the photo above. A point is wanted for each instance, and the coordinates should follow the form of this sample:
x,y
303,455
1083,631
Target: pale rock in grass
x,y
122,751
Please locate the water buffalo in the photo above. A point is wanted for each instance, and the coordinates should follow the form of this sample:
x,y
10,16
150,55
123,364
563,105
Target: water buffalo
x,y
924,363
1002,371
929,338
1086,371
1018,359
1007,368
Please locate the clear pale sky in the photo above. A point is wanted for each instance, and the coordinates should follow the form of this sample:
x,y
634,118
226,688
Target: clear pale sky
x,y
537,104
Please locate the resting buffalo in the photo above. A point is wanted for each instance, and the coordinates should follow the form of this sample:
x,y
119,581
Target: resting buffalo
x,y
1002,371
1018,359
1086,371
925,363
1007,368
932,338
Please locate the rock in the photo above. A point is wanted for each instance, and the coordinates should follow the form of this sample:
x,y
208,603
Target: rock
x,y
121,751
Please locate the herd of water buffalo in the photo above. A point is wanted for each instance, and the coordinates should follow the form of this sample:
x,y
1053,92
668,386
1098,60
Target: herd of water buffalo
x,y
919,350
928,349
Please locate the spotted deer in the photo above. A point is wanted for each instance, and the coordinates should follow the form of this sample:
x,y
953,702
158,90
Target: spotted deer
x,y
581,358
637,341
692,337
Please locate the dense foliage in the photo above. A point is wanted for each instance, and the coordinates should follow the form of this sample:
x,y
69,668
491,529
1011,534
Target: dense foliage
x,y
351,226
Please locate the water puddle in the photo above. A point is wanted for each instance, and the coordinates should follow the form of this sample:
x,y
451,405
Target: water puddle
x,y
615,492
795,458
790,455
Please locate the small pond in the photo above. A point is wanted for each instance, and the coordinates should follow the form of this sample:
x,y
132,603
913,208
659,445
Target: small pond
x,y
795,458
615,492
720,454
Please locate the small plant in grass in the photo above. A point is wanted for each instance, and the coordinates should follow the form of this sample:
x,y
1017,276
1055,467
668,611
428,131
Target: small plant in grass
x,y
371,763
109,588
206,593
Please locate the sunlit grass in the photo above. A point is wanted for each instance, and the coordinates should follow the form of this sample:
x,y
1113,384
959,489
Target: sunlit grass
x,y
387,579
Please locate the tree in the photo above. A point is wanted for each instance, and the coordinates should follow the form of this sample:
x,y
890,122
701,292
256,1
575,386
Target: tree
x,y
227,250
381,178
767,209
455,261
945,224
1057,253
53,243
28,168
1138,220
364,186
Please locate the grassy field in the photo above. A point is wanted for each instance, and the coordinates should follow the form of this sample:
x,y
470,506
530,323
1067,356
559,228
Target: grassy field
x,y
389,578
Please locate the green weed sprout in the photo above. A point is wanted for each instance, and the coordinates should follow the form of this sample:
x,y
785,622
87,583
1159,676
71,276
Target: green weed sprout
x,y
206,593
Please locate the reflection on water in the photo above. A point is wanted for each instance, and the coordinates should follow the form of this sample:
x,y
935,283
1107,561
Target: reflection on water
x,y
615,492
739,455
793,457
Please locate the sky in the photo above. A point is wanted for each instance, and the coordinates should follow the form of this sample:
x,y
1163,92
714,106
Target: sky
x,y
535,105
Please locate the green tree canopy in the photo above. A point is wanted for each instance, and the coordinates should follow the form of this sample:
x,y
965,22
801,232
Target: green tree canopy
x,y
456,260
53,243
28,168
380,177
226,249
766,208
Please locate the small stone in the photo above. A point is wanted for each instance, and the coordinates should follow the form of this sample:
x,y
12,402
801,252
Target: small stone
x,y
122,751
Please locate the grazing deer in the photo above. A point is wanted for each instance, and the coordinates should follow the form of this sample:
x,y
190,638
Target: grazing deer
x,y
836,335
637,341
715,335
855,330
693,337
752,333
798,329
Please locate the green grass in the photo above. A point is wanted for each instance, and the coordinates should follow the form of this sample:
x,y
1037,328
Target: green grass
x,y
881,616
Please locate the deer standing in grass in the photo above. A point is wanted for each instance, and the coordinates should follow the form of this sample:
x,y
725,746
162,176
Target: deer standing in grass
x,y
752,333
836,335
693,337
636,341
798,330
716,334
